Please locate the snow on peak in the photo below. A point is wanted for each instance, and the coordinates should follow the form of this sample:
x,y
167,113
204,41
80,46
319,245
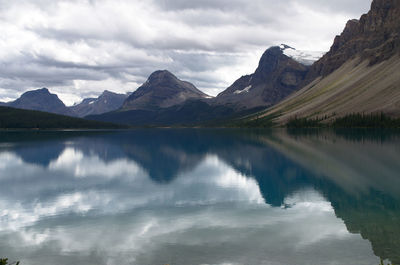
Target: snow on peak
x,y
304,57
246,89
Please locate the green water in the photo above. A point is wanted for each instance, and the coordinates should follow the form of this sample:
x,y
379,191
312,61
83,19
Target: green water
x,y
182,197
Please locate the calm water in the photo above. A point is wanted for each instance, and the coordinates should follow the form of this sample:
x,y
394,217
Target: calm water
x,y
183,197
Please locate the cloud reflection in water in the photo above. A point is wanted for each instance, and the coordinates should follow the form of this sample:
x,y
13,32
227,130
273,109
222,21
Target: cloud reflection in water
x,y
83,209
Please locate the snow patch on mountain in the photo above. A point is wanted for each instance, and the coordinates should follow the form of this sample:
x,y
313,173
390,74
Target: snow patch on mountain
x,y
304,57
246,89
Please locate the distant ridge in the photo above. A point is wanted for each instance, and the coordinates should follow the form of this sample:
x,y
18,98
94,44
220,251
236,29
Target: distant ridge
x,y
106,102
40,100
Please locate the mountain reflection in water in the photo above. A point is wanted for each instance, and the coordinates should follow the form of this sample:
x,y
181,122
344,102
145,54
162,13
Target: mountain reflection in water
x,y
187,196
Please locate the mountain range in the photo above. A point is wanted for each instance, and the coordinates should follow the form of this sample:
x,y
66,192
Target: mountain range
x,y
164,100
359,74
43,100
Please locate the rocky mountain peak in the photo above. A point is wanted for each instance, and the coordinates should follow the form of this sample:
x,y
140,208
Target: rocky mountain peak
x,y
107,93
40,95
269,60
276,76
41,100
162,90
274,62
161,76
44,90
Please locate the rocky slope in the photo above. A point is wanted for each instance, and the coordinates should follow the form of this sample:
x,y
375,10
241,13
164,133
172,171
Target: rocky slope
x,y
162,90
360,73
277,76
41,100
106,102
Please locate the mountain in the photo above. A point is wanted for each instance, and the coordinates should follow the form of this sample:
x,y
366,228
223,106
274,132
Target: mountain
x,y
162,90
13,118
164,100
360,73
41,100
277,76
106,102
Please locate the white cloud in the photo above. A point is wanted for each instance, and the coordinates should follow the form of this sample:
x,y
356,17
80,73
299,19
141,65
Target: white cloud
x,y
79,48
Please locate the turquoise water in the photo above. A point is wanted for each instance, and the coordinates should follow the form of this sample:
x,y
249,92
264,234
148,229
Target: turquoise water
x,y
182,197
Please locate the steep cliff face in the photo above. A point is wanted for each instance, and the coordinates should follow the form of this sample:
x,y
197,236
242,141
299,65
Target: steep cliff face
x,y
375,37
276,77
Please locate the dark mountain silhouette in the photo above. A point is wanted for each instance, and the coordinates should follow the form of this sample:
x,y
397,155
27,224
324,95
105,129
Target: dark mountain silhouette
x,y
41,100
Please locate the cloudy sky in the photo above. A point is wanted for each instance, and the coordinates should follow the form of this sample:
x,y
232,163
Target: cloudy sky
x,y
79,48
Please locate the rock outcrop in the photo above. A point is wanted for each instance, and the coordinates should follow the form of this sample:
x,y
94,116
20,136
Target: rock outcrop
x,y
375,37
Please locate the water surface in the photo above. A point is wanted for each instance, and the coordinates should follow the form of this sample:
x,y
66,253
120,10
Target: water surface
x,y
179,197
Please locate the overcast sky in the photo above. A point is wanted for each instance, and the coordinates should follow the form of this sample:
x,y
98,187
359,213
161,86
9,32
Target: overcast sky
x,y
79,48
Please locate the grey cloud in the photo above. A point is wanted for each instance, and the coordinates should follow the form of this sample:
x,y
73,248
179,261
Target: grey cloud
x,y
351,7
53,75
100,41
200,4
199,62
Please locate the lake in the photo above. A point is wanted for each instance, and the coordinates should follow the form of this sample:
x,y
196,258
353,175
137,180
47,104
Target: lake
x,y
200,196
